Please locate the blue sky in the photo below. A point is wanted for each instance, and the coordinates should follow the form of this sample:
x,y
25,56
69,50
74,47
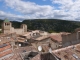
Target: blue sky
x,y
40,9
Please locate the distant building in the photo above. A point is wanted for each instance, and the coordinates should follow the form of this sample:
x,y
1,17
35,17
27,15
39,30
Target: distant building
x,y
7,28
64,39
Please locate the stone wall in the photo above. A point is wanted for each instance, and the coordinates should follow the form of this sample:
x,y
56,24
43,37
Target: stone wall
x,y
19,31
6,31
70,39
7,28
11,30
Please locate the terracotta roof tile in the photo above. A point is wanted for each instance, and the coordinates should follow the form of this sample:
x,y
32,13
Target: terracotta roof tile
x,y
4,48
5,53
14,57
68,52
57,37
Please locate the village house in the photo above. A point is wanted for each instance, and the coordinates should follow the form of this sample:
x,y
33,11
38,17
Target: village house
x,y
68,53
5,50
22,44
64,39
38,38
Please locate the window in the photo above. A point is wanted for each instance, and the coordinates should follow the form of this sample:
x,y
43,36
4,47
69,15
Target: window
x,y
7,24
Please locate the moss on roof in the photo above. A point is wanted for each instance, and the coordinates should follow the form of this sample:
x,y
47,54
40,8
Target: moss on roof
x,y
6,20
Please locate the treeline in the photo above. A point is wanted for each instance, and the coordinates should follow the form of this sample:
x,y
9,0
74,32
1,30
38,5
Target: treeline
x,y
49,25
52,25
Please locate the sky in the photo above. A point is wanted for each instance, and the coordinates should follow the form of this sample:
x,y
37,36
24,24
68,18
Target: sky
x,y
19,10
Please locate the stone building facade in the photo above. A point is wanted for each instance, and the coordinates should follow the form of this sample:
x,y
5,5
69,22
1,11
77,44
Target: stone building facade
x,y
65,39
7,28
71,39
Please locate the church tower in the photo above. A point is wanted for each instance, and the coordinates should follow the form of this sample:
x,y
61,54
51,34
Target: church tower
x,y
6,26
24,27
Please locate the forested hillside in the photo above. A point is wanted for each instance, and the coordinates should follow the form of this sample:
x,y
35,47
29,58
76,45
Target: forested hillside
x,y
50,25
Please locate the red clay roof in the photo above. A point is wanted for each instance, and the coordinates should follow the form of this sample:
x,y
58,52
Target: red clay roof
x,y
14,57
68,52
4,48
5,53
57,37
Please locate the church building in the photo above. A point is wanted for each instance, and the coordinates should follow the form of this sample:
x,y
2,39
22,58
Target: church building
x,y
7,28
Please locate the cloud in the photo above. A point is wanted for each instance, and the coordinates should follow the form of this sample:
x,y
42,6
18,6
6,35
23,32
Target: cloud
x,y
11,16
29,7
71,7
68,10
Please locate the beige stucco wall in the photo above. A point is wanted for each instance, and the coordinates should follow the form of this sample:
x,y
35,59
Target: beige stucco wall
x,y
11,30
19,31
6,31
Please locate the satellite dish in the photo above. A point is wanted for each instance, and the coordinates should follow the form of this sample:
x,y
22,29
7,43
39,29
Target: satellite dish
x,y
50,50
19,44
39,48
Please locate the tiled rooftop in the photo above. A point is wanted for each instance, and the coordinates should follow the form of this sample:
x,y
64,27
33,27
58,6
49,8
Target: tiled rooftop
x,y
14,57
4,48
56,37
44,56
68,53
41,38
5,53
27,49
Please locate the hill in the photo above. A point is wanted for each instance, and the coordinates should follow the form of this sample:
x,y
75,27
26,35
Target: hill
x,y
50,25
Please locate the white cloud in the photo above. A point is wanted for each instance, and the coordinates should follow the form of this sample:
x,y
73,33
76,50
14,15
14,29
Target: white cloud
x,y
30,10
29,7
71,7
11,16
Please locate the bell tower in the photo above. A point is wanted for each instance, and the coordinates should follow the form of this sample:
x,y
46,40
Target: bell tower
x,y
24,26
6,26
